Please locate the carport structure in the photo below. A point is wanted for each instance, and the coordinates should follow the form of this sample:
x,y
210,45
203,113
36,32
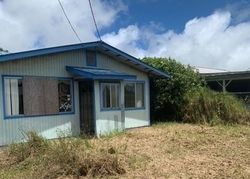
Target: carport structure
x,y
236,83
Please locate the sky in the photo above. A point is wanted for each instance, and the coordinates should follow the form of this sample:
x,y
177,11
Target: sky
x,y
209,33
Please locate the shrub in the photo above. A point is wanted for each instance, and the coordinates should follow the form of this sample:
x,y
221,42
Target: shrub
x,y
207,106
167,95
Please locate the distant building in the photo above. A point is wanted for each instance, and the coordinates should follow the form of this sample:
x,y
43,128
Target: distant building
x,y
233,82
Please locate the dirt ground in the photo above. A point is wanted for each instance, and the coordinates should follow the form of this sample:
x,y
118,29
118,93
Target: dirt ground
x,y
185,151
174,150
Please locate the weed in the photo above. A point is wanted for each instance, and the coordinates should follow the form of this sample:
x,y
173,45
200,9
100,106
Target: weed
x,y
113,133
208,107
170,150
35,145
64,157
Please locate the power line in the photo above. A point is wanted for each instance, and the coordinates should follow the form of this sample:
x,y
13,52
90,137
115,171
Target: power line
x,y
90,5
69,21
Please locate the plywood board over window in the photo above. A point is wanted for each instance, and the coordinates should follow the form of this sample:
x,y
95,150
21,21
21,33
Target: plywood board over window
x,y
33,96
51,103
40,96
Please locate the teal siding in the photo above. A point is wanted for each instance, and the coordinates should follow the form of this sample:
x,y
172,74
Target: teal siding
x,y
12,130
49,65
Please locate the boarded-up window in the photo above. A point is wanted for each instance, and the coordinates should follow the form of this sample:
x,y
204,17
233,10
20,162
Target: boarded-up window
x,y
40,96
33,96
37,96
51,103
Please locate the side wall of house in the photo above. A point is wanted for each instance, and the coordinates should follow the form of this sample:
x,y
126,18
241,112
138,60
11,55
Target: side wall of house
x,y
11,130
109,120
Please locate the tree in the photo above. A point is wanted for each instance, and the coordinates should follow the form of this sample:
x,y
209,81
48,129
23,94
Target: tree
x,y
167,95
2,51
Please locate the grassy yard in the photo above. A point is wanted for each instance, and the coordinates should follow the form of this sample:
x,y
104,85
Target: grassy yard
x,y
167,150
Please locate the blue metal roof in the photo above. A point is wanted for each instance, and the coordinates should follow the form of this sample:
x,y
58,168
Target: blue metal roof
x,y
99,46
98,74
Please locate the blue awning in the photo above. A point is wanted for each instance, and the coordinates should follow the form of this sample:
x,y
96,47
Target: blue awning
x,y
98,74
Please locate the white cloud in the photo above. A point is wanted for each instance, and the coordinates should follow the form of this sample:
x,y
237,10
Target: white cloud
x,y
126,39
207,41
220,40
29,23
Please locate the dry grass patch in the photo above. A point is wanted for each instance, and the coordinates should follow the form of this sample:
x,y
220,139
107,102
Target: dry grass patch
x,y
167,150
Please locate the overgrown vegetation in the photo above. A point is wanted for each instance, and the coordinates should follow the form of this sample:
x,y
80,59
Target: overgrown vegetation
x,y
167,95
184,97
206,106
167,150
63,157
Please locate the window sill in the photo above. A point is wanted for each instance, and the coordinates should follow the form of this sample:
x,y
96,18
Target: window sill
x,y
133,109
29,116
114,109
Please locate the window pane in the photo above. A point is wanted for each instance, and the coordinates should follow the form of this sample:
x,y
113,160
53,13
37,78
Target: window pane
x,y
7,97
129,95
110,95
139,95
91,58
106,95
20,92
118,95
114,95
13,96
64,93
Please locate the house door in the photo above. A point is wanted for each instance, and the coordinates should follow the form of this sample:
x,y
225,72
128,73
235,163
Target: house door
x,y
86,95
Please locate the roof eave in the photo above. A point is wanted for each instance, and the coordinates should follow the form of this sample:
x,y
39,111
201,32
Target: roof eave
x,y
100,45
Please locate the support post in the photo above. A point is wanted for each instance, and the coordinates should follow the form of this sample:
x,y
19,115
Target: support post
x,y
224,86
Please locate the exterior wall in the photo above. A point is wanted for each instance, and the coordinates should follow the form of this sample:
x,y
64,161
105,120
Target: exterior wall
x,y
106,121
11,130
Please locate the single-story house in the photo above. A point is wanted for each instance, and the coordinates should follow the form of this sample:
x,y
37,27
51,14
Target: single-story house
x,y
88,87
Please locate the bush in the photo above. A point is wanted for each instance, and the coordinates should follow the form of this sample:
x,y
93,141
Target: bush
x,y
167,95
207,106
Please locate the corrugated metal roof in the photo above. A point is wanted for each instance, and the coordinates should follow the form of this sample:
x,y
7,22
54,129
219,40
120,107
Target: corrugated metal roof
x,y
99,46
227,75
204,70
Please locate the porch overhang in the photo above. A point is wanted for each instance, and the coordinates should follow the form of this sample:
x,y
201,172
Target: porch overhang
x,y
97,74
